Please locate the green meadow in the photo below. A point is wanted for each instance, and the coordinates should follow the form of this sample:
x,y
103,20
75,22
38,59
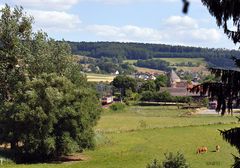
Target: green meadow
x,y
174,61
134,137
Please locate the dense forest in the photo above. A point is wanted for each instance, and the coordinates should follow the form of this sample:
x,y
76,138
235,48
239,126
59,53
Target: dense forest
x,y
121,51
154,64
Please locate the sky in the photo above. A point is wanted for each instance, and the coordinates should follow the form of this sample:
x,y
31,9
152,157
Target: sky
x,y
145,21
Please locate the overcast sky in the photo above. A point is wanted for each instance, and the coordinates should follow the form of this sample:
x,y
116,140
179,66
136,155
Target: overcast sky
x,y
148,21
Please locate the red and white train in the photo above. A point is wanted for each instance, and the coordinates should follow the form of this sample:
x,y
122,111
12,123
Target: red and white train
x,y
107,100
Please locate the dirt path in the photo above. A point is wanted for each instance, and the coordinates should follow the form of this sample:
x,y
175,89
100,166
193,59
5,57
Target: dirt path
x,y
206,111
213,112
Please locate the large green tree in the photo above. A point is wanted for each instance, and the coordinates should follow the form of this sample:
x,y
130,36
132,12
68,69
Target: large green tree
x,y
47,109
15,33
148,85
161,81
51,117
124,83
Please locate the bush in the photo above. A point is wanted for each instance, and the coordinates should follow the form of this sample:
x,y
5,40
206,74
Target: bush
x,y
183,99
142,124
164,96
148,96
154,164
171,161
174,161
205,102
117,107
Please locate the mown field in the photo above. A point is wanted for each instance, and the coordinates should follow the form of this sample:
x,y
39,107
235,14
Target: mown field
x,y
133,138
91,77
147,70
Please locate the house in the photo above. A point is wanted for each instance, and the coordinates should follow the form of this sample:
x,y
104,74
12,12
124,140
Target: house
x,y
177,91
117,73
174,78
145,76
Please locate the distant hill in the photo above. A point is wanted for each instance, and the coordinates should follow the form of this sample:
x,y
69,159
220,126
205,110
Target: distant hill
x,y
142,51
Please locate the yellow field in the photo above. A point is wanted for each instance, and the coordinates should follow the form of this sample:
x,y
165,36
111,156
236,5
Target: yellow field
x,y
148,70
99,77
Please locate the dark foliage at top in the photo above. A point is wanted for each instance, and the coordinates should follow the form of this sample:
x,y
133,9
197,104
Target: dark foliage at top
x,y
185,6
154,64
224,11
227,90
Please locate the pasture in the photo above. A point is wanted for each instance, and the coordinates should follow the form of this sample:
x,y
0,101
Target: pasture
x,y
173,61
200,61
136,136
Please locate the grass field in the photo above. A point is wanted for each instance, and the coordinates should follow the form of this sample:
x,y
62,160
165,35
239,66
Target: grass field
x,y
91,77
130,61
173,61
148,70
133,138
201,68
141,69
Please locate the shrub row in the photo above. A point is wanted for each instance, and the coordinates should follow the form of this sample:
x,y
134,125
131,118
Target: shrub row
x,y
163,97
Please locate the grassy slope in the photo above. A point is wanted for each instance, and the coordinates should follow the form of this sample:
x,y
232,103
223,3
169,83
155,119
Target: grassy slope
x,y
173,61
148,70
156,117
201,68
141,69
123,142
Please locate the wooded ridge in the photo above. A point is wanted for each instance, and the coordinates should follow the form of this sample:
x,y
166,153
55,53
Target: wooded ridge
x,y
214,57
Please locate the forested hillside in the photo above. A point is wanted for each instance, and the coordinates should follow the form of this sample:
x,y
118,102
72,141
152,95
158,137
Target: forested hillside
x,y
121,51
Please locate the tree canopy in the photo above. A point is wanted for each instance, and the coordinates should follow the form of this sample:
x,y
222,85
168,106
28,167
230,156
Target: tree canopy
x,y
124,83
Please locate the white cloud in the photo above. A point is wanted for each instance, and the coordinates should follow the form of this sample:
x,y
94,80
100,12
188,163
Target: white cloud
x,y
117,2
187,29
206,34
176,30
44,4
55,20
1,6
181,22
125,33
